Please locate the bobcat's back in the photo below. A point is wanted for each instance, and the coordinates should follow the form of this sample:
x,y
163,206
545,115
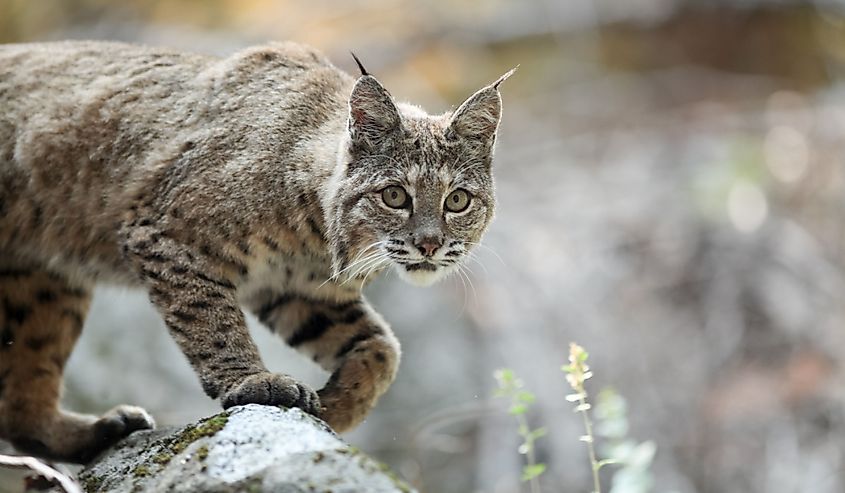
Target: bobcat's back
x,y
85,125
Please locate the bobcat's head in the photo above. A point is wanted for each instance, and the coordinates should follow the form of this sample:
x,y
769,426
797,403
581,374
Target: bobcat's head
x,y
412,190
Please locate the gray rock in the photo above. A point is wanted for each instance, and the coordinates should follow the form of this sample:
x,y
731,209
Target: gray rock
x,y
247,448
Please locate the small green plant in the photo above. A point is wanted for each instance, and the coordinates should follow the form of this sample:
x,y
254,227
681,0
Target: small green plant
x,y
577,373
511,387
632,459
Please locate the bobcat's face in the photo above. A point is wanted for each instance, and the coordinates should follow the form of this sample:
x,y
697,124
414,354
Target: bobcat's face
x,y
425,205
414,191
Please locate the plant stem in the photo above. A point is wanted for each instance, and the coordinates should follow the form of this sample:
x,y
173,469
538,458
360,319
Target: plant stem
x,y
591,449
534,483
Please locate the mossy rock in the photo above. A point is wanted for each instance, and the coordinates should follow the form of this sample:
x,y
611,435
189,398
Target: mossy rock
x,y
249,448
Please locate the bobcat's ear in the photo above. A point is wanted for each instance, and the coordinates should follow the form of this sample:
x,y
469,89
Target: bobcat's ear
x,y
373,115
478,117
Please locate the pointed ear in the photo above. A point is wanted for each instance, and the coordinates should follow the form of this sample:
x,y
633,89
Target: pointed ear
x,y
478,117
373,115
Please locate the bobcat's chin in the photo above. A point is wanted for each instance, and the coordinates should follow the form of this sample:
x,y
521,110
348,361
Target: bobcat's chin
x,y
422,273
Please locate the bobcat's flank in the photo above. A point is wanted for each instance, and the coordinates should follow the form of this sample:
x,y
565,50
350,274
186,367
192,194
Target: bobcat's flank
x,y
270,180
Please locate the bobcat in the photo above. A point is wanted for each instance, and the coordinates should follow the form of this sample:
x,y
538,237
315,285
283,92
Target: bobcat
x,y
270,180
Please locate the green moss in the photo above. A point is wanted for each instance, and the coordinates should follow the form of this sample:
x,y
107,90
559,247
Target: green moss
x,y
252,485
202,452
376,466
373,465
93,484
162,458
397,481
349,451
191,434
170,447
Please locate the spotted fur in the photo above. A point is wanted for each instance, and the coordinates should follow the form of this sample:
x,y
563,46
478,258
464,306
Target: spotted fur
x,y
251,182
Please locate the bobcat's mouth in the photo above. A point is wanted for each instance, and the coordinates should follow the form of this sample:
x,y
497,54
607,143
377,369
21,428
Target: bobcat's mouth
x,y
424,266
421,273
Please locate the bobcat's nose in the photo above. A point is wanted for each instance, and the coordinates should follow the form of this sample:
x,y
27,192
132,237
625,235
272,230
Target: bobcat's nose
x,y
428,245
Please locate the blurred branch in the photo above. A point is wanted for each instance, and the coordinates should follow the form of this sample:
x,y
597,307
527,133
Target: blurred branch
x,y
42,470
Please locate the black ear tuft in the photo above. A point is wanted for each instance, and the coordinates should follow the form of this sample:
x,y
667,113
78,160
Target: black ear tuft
x,y
361,65
500,79
478,117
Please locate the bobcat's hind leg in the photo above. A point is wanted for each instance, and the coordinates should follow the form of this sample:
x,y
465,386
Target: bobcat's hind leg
x,y
41,318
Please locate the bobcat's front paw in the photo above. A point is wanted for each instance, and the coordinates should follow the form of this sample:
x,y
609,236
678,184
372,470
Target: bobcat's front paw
x,y
120,422
273,390
340,411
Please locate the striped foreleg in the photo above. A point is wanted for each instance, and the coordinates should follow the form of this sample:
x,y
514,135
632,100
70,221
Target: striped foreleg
x,y
197,298
348,339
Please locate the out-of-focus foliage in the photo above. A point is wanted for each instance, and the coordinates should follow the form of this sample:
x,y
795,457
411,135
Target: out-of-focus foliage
x,y
511,388
631,460
671,194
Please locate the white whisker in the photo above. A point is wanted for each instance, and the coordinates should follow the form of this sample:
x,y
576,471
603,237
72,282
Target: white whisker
x,y
482,245
463,269
374,268
361,257
466,295
353,266
474,257
364,266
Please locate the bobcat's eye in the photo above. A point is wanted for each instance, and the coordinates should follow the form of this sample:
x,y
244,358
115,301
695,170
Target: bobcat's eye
x,y
395,197
458,200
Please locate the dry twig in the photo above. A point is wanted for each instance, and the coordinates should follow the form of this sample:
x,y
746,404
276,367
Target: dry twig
x,y
42,469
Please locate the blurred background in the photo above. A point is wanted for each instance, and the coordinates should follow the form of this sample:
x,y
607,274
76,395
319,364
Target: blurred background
x,y
671,185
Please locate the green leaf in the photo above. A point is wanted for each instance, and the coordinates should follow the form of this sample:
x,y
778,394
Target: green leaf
x,y
518,409
621,451
643,455
504,376
605,462
539,432
525,397
614,428
582,357
532,471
